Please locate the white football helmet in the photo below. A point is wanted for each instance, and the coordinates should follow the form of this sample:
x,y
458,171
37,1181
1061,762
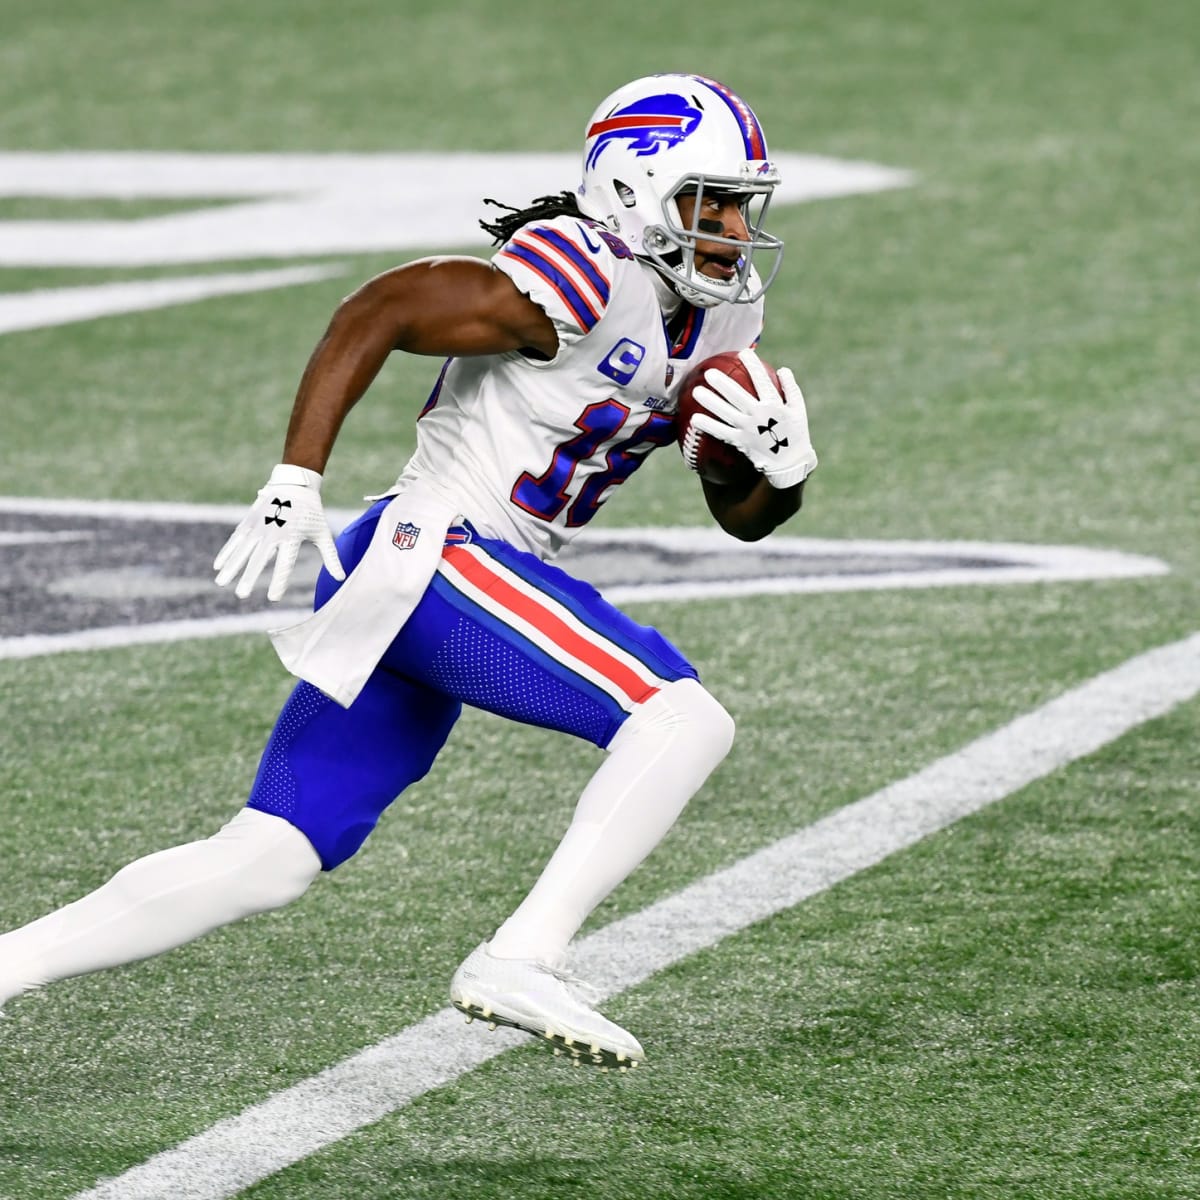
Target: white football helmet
x,y
668,135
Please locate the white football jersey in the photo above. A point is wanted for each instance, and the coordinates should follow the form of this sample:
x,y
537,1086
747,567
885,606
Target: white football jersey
x,y
531,448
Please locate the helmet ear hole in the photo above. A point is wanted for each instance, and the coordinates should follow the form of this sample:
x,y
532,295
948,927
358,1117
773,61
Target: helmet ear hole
x,y
625,193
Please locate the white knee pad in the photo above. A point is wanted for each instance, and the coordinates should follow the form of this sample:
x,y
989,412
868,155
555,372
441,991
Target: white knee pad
x,y
687,715
269,861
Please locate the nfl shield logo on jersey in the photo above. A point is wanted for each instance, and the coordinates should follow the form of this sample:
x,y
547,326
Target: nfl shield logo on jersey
x,y
405,537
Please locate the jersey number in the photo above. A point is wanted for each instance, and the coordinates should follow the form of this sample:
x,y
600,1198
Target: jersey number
x,y
547,494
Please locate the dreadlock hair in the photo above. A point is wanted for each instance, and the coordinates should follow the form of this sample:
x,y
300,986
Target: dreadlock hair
x,y
542,209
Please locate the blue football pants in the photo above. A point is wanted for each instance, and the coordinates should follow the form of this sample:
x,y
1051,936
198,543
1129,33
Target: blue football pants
x,y
497,629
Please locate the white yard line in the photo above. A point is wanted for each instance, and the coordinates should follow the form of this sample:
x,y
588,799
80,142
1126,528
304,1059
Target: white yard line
x,y
148,510
109,637
45,307
293,1124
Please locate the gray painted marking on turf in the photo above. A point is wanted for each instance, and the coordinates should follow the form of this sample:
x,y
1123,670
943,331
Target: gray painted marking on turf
x,y
85,575
293,1124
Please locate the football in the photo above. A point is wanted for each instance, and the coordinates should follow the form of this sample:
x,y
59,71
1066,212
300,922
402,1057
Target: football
x,y
709,457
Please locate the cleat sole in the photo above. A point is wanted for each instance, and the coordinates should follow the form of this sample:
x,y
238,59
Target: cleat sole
x,y
564,1046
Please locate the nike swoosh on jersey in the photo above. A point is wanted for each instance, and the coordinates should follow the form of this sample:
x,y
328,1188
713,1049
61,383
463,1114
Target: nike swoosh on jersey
x,y
587,241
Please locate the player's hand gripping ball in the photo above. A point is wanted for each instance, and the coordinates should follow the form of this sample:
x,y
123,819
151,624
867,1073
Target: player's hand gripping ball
x,y
738,416
712,459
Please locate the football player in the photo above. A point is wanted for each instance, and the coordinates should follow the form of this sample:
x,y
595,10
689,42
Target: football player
x,y
563,356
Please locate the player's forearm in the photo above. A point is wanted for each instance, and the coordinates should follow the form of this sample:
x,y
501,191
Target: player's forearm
x,y
754,512
342,366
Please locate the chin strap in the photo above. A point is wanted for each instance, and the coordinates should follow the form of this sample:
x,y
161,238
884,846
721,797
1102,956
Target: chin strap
x,y
707,299
671,288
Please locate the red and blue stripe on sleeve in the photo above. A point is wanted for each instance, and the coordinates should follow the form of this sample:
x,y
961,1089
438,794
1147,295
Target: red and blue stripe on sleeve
x,y
566,268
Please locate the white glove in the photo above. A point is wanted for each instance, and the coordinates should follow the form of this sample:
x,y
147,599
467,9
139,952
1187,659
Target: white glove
x,y
769,429
287,514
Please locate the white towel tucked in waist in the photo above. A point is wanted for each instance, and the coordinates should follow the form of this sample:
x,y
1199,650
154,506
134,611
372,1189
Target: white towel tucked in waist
x,y
338,647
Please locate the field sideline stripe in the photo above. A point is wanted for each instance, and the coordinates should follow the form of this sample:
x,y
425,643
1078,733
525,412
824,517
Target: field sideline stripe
x,y
114,637
293,1124
43,308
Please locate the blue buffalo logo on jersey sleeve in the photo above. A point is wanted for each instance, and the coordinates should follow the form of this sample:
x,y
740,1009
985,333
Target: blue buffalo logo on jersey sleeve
x,y
648,125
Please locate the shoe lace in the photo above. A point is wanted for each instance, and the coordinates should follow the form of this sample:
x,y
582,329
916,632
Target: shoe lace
x,y
583,990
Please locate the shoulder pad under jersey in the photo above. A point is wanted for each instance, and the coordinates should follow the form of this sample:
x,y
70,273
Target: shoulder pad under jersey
x,y
566,265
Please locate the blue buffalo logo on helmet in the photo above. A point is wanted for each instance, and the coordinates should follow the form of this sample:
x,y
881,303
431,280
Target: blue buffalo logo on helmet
x,y
648,125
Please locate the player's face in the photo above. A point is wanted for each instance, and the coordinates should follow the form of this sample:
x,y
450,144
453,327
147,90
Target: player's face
x,y
720,215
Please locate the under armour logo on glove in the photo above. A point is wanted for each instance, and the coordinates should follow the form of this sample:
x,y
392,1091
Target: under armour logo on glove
x,y
261,536
777,442
274,518
747,420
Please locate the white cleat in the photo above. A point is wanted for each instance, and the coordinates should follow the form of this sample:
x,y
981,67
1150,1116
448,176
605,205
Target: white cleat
x,y
540,1000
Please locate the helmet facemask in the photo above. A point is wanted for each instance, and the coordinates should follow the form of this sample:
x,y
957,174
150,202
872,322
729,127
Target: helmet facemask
x,y
670,246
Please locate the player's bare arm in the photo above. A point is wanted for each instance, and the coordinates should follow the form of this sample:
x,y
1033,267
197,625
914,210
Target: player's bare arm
x,y
750,511
445,307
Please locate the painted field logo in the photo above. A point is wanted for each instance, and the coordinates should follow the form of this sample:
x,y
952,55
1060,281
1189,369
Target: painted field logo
x,y
77,575
293,206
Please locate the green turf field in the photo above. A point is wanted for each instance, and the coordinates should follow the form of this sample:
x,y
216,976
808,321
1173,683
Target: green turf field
x,y
1005,351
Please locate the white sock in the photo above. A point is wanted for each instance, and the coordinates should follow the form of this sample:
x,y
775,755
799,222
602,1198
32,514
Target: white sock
x,y
256,862
659,759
